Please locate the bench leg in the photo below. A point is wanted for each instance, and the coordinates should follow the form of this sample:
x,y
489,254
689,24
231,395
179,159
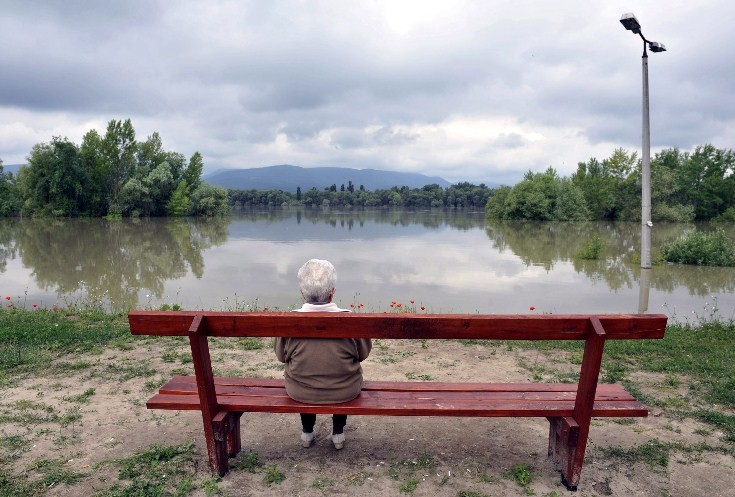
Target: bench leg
x,y
566,449
226,441
234,444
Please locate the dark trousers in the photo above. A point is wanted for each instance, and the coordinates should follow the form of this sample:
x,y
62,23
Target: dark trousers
x,y
338,423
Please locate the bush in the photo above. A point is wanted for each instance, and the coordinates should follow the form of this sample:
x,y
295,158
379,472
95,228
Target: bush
x,y
726,217
592,249
703,249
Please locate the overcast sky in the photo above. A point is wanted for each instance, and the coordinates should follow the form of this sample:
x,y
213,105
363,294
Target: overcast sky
x,y
471,91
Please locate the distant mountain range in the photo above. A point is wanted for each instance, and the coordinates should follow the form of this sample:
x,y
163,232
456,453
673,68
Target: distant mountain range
x,y
11,168
288,178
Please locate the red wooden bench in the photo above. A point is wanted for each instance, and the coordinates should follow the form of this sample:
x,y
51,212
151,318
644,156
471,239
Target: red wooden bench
x,y
568,407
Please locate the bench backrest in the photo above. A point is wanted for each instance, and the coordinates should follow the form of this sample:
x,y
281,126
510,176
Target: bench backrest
x,y
399,325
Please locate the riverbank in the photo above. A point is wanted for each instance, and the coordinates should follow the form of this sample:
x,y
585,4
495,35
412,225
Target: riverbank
x,y
73,420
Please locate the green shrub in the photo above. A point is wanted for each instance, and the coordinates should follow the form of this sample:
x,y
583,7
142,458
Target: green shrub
x,y
702,249
592,249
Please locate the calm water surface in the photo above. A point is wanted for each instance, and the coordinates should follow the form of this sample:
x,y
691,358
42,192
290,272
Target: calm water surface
x,y
447,262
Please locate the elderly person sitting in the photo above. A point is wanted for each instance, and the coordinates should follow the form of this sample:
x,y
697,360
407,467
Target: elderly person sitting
x,y
322,370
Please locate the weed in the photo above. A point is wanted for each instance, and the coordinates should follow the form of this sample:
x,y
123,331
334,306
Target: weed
x,y
408,486
54,473
322,484
249,462
471,493
521,473
211,486
273,475
82,398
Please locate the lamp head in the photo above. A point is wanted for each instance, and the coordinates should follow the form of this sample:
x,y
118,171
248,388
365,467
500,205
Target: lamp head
x,y
656,46
631,23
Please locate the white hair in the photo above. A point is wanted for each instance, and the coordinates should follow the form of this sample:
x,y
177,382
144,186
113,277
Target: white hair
x,y
317,280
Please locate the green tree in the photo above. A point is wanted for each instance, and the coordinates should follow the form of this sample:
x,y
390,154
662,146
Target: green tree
x,y
52,181
534,198
118,152
209,200
570,203
178,205
11,199
95,192
495,207
193,172
707,181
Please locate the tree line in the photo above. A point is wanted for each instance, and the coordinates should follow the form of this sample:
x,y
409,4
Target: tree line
x,y
685,187
461,195
114,175
111,175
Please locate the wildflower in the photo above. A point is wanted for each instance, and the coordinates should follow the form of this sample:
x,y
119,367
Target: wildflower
x,y
399,305
265,309
56,307
392,304
532,308
360,306
7,298
352,305
412,302
423,308
35,305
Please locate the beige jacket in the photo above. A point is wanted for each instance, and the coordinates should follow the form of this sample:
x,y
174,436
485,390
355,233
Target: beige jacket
x,y
323,370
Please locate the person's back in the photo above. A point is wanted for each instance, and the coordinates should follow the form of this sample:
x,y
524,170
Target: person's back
x,y
321,370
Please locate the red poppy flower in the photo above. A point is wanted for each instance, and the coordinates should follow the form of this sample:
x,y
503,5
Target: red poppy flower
x,y
35,305
265,309
423,308
399,305
7,298
532,308
412,301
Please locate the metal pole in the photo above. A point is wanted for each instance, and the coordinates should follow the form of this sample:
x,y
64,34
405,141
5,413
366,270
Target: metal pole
x,y
646,173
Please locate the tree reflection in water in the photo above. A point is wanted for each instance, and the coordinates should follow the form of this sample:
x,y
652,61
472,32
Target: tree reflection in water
x,y
112,261
453,260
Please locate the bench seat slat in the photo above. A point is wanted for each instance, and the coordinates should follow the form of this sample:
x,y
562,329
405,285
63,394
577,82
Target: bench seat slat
x,y
432,399
609,392
186,382
408,407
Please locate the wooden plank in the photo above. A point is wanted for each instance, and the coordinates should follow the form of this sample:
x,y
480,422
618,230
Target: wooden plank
x,y
389,407
398,326
407,396
187,383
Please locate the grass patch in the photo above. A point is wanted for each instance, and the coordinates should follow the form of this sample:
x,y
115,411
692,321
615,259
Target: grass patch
x,y
657,454
155,471
31,340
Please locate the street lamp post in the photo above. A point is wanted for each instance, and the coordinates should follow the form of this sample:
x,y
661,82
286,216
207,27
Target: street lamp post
x,y
631,24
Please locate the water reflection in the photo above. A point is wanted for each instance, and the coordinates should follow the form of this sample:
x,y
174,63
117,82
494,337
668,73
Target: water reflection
x,y
111,261
548,244
450,261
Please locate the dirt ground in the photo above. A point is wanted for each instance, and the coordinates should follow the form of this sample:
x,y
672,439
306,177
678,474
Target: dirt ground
x,y
382,455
